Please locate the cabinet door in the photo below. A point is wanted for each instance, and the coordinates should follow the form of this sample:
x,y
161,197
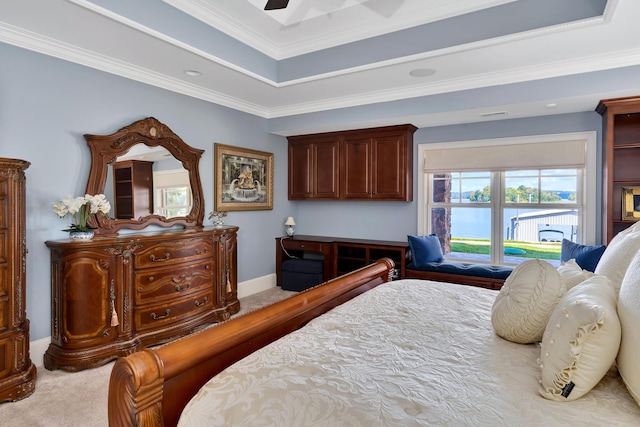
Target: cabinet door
x,y
389,170
142,189
86,287
313,168
325,169
228,261
356,168
300,170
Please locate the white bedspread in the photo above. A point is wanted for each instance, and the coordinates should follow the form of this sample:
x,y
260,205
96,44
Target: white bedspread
x,y
407,353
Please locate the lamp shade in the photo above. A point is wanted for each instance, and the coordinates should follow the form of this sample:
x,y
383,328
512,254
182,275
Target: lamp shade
x,y
290,221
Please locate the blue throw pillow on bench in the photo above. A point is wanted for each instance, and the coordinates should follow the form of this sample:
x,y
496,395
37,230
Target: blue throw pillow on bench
x,y
586,256
425,249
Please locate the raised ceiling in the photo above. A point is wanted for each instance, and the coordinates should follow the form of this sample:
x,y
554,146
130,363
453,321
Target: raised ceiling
x,y
335,64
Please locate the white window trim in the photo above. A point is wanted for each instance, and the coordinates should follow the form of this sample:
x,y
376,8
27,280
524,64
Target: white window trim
x,y
168,179
589,233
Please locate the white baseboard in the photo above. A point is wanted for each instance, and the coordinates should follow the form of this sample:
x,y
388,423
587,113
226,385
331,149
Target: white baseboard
x,y
37,349
259,284
249,287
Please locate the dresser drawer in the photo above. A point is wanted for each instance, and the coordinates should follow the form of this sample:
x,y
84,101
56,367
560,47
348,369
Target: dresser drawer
x,y
158,316
172,252
170,283
301,245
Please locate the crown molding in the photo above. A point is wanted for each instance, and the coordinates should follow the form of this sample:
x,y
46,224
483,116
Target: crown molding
x,y
47,46
603,62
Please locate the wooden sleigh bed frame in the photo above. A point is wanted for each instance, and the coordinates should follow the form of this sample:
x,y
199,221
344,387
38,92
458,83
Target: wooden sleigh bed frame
x,y
152,387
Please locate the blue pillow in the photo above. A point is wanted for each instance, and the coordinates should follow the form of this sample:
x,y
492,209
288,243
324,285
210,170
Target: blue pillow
x,y
425,249
586,256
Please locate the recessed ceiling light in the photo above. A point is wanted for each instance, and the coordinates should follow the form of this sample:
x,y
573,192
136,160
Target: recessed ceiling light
x,y
551,105
422,72
192,73
493,114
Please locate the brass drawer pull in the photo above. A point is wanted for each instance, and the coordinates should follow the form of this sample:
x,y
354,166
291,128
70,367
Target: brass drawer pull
x,y
154,316
200,304
201,252
166,257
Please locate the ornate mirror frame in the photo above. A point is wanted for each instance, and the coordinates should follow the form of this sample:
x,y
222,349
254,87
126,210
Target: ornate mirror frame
x,y
106,148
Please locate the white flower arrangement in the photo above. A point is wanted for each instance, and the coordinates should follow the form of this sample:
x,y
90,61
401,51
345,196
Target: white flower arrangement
x,y
81,208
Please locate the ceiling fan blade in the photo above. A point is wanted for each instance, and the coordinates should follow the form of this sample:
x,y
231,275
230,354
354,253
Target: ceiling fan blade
x,y
276,4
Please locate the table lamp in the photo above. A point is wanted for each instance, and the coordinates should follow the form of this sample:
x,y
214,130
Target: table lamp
x,y
290,229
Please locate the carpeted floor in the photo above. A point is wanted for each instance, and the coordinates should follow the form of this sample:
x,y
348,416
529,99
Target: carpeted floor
x,y
68,399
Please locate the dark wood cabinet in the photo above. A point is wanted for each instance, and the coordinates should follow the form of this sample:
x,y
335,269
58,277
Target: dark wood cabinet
x,y
133,189
356,154
341,255
379,165
114,295
621,159
17,372
313,167
366,164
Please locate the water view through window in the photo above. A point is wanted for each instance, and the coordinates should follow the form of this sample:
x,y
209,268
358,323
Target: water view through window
x,y
535,211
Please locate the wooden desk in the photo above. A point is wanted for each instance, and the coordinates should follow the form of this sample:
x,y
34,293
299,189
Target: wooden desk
x,y
341,255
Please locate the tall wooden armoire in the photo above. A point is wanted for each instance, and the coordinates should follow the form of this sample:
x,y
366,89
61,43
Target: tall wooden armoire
x,y
17,372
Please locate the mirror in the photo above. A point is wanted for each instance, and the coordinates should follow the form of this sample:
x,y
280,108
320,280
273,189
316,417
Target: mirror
x,y
149,175
161,184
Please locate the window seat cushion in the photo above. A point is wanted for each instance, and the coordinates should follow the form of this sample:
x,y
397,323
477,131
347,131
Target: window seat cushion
x,y
483,275
466,269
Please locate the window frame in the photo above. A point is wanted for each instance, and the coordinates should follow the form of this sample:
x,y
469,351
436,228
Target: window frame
x,y
163,207
587,233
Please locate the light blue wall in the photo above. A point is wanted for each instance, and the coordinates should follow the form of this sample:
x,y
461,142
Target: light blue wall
x,y
46,105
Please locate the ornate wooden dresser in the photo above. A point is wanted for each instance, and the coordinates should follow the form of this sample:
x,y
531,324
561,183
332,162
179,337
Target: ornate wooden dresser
x,y
17,372
114,295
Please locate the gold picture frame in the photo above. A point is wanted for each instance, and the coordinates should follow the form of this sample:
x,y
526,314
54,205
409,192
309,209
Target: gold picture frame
x,y
631,203
244,179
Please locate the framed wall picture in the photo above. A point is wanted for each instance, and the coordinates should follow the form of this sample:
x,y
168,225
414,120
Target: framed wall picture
x,y
631,203
244,179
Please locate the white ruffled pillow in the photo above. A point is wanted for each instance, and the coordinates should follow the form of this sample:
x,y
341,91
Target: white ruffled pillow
x,y
526,300
629,312
581,340
571,274
618,255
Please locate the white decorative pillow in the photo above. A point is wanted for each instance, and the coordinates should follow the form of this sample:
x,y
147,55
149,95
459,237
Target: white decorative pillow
x,y
571,274
618,255
526,300
629,312
581,340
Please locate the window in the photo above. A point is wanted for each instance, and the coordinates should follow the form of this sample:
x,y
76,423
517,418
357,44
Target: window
x,y
175,201
172,193
505,201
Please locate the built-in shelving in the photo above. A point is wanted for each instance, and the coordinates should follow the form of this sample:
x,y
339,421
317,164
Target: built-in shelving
x,y
620,157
